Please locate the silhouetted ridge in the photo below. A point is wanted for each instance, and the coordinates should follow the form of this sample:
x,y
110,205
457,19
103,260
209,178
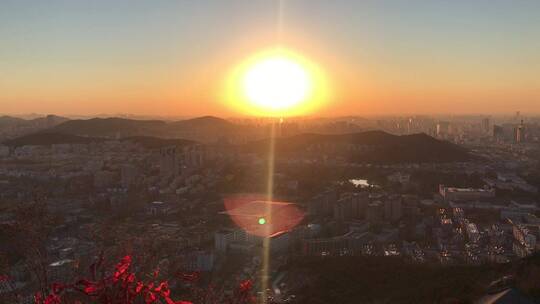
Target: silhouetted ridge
x,y
31,124
204,122
371,146
9,120
106,127
199,129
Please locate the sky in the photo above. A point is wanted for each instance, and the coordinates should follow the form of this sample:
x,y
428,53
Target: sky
x,y
172,57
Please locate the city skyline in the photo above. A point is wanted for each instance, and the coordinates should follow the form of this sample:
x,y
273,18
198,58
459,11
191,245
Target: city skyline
x,y
269,151
171,58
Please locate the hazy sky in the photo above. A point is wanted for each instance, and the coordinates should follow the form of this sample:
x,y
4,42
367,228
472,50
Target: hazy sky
x,y
170,57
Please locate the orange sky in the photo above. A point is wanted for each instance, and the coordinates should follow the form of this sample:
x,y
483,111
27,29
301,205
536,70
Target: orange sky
x,y
164,58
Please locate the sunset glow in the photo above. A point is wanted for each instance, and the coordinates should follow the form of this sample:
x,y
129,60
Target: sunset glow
x,y
276,82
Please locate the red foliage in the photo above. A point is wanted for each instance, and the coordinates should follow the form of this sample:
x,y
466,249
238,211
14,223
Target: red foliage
x,y
243,294
245,286
123,287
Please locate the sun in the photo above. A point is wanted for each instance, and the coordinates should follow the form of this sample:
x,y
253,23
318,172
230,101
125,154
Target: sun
x,y
275,82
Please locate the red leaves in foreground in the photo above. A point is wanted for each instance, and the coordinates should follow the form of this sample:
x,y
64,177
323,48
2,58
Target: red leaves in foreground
x,y
50,299
246,285
243,294
123,287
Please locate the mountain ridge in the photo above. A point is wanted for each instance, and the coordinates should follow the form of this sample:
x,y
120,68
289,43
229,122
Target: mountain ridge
x,y
367,147
203,127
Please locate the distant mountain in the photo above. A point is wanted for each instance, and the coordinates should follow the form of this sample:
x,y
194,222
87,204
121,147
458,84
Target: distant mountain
x,y
45,121
370,147
49,121
209,122
8,121
205,128
109,127
47,139
11,127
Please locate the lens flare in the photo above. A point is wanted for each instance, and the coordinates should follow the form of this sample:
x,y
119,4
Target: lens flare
x,y
261,217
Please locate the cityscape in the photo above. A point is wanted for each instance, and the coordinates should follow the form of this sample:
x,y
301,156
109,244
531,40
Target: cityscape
x,y
460,191
269,152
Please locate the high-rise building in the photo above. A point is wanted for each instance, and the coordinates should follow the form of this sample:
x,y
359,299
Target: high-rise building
x,y
223,238
194,156
409,206
486,125
129,174
342,209
168,162
498,133
520,133
443,128
374,211
322,204
351,206
198,261
392,208
359,202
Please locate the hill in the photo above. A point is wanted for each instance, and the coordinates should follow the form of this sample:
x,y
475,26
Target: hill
x,y
48,121
9,121
46,139
209,122
30,125
205,128
109,127
369,147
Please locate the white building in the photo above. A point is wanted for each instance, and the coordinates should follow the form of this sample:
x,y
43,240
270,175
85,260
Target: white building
x,y
465,194
399,177
472,232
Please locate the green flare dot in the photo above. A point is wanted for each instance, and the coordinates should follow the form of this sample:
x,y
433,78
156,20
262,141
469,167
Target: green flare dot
x,y
262,221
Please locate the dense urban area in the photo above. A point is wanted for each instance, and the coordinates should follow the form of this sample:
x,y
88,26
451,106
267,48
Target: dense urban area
x,y
350,200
